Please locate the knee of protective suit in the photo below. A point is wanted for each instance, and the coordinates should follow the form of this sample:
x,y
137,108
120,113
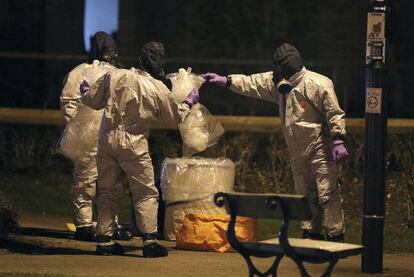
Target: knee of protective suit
x,y
333,196
85,192
324,200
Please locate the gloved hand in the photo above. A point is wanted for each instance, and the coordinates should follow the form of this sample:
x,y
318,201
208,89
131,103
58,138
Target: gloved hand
x,y
339,151
84,86
192,98
214,78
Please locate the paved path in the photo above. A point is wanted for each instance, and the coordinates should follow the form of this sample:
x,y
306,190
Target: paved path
x,y
51,250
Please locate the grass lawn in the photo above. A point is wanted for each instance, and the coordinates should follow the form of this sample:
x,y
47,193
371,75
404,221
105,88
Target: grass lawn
x,y
46,193
17,274
49,193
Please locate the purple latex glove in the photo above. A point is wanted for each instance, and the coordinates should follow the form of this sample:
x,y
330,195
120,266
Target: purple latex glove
x,y
339,151
214,78
84,86
192,98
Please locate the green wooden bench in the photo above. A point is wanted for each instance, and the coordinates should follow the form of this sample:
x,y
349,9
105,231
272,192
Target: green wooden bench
x,y
285,207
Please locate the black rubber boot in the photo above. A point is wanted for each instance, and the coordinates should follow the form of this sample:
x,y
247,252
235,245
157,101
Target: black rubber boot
x,y
337,238
153,249
307,234
122,233
107,247
85,234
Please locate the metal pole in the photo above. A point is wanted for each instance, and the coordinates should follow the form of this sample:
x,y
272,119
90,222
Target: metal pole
x,y
375,140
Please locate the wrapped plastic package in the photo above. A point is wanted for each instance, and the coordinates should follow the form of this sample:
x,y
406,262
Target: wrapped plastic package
x,y
200,129
208,232
188,186
80,137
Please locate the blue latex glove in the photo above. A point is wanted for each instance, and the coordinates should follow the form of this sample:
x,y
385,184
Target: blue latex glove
x,y
339,151
192,98
84,86
214,78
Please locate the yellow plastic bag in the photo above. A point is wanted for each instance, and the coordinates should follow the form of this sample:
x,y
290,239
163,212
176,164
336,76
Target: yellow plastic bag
x,y
208,232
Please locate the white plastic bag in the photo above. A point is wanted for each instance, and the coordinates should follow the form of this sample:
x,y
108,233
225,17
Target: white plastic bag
x,y
199,130
183,82
80,137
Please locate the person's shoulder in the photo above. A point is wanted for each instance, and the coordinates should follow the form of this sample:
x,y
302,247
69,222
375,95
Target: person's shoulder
x,y
318,79
159,83
266,74
102,64
146,78
121,71
78,68
118,72
75,73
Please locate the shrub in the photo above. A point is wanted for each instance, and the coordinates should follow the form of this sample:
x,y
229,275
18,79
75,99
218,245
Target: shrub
x,y
8,217
30,148
262,162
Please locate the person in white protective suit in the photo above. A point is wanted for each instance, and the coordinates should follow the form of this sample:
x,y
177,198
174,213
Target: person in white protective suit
x,y
131,98
313,125
103,55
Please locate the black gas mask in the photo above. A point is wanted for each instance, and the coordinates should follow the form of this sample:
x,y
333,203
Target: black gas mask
x,y
110,55
152,59
282,84
286,62
104,48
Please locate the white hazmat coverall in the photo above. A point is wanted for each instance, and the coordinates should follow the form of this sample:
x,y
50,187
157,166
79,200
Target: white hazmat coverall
x,y
85,171
130,98
310,117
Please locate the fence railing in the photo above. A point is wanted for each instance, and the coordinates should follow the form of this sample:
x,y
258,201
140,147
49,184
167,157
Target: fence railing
x,y
267,124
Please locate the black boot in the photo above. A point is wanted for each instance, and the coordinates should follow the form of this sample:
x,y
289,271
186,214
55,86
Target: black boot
x,y
107,247
122,233
85,234
307,234
337,238
152,248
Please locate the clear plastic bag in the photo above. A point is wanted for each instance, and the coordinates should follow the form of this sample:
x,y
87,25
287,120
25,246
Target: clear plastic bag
x,y
199,130
80,137
183,82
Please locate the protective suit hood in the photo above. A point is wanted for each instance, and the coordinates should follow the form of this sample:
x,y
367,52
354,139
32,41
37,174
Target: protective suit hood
x,y
287,60
152,59
104,48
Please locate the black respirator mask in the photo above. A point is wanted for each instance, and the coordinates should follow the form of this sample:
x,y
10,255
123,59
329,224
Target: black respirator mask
x,y
110,55
283,86
286,62
104,48
152,59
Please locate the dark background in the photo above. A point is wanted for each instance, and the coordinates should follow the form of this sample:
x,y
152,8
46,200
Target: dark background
x,y
42,40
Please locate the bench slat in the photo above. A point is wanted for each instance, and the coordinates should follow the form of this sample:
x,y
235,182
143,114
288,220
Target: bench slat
x,y
258,205
318,247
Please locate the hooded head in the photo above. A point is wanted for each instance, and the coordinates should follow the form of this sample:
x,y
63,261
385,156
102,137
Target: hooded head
x,y
104,48
287,61
151,59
